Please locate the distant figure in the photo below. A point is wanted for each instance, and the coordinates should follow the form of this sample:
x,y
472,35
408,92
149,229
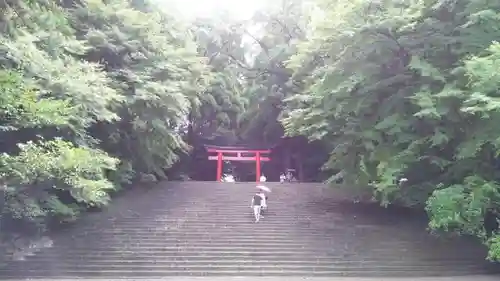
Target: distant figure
x,y
282,178
228,178
263,178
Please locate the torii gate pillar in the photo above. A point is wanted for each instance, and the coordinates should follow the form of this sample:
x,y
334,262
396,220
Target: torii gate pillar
x,y
219,166
257,166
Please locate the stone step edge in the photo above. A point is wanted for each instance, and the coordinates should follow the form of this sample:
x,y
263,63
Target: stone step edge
x,y
251,263
242,272
236,258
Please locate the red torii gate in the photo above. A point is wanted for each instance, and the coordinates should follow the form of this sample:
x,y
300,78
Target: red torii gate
x,y
229,153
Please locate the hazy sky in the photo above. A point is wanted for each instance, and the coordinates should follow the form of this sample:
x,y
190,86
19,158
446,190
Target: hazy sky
x,y
241,9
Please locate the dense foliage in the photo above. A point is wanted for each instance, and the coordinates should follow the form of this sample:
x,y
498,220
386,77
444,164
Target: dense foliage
x,y
94,95
98,94
408,89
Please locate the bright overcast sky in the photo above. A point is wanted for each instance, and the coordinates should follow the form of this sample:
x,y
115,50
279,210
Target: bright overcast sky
x,y
241,9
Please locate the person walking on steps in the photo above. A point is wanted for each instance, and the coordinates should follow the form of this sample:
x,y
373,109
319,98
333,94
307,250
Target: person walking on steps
x,y
258,201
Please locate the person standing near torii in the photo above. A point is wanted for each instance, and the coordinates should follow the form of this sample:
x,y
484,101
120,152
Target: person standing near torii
x,y
262,178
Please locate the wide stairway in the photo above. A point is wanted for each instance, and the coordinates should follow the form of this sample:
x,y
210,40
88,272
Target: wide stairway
x,y
206,229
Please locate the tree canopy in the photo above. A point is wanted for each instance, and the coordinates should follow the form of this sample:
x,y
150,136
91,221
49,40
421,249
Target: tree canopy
x,y
407,89
98,94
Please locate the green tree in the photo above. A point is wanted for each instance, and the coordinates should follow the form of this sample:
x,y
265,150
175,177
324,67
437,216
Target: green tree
x,y
221,104
95,94
48,99
155,66
392,87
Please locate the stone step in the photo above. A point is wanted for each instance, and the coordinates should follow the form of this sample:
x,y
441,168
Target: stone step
x,y
244,203
238,272
214,231
243,218
213,242
248,221
218,236
211,248
114,257
164,232
225,265
250,225
192,258
347,254
242,221
201,246
241,260
234,203
160,235
232,251
216,249
218,216
137,270
271,245
176,235
200,251
279,210
286,255
172,236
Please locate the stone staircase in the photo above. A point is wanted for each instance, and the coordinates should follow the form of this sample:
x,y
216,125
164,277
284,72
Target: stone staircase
x,y
206,229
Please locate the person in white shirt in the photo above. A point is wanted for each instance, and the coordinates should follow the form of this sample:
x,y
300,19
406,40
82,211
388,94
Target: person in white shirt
x,y
258,202
282,178
263,178
230,178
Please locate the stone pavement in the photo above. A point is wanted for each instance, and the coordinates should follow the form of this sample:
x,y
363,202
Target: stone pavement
x,y
191,229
